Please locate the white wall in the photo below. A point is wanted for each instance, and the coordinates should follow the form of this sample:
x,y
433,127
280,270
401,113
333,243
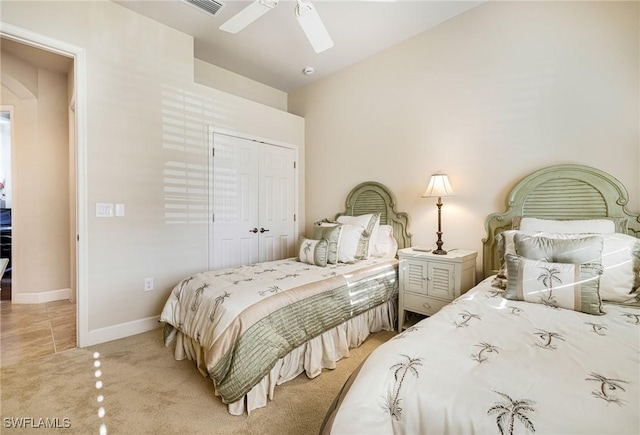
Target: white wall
x,y
146,148
487,97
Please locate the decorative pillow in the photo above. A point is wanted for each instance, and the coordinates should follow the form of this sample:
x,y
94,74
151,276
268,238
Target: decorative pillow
x,y
313,251
370,223
351,246
385,245
558,285
573,250
331,233
504,245
598,226
620,280
621,261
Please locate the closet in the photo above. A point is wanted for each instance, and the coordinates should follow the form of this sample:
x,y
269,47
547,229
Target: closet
x,y
253,202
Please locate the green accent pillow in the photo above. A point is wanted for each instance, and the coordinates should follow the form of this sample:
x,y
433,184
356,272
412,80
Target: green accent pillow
x,y
558,285
575,250
313,251
331,233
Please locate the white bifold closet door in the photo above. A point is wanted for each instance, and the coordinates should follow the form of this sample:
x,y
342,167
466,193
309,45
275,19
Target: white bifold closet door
x,y
253,202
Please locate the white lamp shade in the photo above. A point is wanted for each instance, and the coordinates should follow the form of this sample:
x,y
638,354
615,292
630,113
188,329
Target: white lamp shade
x,y
438,186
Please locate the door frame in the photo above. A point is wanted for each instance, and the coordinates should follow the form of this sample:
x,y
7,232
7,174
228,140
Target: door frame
x,y
213,129
78,54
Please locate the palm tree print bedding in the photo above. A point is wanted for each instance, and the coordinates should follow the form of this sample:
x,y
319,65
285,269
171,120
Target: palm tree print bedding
x,y
489,365
246,318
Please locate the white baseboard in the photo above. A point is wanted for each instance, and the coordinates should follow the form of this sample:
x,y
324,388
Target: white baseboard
x,y
122,330
41,298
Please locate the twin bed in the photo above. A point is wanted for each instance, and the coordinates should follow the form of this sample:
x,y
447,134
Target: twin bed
x,y
548,342
529,349
253,327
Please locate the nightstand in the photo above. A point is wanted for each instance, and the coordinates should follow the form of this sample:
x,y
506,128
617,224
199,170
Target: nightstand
x,y
429,281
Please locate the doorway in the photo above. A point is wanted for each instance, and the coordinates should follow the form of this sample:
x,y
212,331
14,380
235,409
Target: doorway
x,y
5,203
39,87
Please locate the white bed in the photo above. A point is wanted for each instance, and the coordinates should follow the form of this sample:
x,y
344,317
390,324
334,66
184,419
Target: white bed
x,y
521,359
253,327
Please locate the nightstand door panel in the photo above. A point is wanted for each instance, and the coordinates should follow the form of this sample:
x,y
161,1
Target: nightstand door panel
x,y
441,279
414,276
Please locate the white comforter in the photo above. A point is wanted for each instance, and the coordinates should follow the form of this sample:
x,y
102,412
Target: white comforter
x,y
487,365
204,305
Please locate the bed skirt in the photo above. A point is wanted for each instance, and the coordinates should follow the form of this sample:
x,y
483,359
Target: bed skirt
x,y
321,352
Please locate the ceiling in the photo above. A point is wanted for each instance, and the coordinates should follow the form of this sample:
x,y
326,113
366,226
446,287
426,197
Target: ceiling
x,y
36,56
273,50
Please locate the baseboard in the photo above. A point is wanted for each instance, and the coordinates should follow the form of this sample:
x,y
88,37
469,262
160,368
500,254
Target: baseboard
x,y
41,298
121,330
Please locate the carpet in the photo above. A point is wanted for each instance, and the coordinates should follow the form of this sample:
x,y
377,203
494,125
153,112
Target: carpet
x,y
146,391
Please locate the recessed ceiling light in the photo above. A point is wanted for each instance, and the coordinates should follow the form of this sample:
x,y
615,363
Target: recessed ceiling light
x,y
308,70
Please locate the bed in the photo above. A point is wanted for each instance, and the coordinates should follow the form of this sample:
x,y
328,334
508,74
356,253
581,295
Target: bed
x,y
252,327
522,352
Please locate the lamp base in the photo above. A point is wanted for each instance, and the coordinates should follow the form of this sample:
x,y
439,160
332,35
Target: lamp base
x,y
439,251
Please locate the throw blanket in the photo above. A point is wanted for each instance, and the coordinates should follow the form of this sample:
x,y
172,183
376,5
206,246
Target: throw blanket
x,y
248,317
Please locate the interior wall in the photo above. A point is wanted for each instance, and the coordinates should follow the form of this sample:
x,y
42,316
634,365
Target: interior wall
x,y
487,97
147,148
40,209
235,84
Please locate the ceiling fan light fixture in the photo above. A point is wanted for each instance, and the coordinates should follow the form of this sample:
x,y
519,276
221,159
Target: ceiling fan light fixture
x,y
312,26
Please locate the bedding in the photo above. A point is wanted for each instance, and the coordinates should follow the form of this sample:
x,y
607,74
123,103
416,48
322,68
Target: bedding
x,y
548,343
244,319
485,364
250,328
620,259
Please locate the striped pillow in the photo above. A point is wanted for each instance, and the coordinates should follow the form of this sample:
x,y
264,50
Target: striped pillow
x,y
557,285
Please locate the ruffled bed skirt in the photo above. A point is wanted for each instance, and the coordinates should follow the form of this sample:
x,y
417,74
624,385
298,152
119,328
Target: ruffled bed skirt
x,y
321,352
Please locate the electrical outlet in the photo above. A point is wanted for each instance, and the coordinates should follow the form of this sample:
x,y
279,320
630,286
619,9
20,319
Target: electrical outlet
x,y
148,284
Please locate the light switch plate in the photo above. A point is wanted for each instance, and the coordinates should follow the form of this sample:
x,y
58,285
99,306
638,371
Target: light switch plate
x,y
104,209
119,210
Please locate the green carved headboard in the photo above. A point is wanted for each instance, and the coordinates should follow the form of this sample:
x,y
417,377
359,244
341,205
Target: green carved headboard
x,y
560,192
373,197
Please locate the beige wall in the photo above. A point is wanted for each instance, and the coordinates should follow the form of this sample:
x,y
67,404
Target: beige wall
x,y
147,148
487,97
235,84
40,148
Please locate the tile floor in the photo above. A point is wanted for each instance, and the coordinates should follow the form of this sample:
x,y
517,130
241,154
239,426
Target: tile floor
x,y
29,331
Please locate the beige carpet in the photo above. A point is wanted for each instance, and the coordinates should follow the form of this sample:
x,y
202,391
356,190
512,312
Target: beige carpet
x,y
145,391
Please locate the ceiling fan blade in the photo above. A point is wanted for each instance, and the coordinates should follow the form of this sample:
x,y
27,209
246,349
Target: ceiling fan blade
x,y
313,27
248,15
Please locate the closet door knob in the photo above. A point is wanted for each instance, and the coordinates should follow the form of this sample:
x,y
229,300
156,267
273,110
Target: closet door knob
x,y
262,230
255,230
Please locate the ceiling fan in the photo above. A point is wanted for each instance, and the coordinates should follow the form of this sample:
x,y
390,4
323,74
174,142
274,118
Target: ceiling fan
x,y
305,12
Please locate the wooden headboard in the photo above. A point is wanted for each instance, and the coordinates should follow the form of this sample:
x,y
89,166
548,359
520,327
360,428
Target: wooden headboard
x,y
373,197
560,192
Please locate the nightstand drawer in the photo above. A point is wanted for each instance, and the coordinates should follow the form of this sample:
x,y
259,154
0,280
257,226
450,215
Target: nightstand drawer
x,y
422,304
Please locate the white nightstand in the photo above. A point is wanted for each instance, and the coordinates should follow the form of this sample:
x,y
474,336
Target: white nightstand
x,y
429,281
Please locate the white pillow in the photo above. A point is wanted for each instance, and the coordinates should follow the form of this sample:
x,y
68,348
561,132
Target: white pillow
x,y
620,256
385,245
350,247
370,223
601,226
